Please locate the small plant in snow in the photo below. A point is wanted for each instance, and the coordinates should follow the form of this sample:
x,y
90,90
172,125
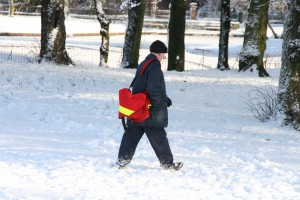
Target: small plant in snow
x,y
262,103
33,52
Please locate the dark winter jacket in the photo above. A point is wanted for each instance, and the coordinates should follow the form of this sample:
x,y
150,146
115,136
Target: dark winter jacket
x,y
152,81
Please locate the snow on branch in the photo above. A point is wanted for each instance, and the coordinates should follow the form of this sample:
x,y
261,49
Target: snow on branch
x,y
59,3
100,12
128,4
294,50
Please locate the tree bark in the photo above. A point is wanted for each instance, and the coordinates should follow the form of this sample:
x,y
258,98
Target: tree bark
x,y
53,33
224,35
133,34
289,80
176,47
254,46
104,32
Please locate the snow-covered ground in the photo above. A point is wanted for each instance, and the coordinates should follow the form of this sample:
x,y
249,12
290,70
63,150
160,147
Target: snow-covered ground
x,y
60,134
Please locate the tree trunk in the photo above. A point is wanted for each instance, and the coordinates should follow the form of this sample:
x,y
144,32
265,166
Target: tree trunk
x,y
289,80
11,8
53,33
133,34
254,46
224,35
104,32
176,48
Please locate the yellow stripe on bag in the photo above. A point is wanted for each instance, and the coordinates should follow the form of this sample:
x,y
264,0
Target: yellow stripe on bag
x,y
125,111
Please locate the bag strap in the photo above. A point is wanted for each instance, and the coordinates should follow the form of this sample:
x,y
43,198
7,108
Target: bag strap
x,y
145,65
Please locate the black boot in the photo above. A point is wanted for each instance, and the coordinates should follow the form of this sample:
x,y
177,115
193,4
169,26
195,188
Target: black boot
x,y
121,164
174,166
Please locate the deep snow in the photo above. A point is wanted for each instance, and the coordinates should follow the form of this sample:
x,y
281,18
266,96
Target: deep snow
x,y
60,134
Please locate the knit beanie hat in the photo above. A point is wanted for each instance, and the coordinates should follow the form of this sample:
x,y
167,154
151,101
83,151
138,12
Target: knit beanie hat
x,y
158,47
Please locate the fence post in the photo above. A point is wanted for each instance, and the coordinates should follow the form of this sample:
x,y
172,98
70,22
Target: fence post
x,y
193,13
153,8
11,8
240,17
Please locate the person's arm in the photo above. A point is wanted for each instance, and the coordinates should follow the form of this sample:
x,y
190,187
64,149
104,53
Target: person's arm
x,y
153,86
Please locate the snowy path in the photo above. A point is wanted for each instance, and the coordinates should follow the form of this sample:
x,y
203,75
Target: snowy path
x,y
61,136
59,132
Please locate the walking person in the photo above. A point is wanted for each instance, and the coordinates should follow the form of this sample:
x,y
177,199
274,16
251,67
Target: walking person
x,y
152,81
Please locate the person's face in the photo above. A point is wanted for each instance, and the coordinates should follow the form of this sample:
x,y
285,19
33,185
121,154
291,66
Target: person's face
x,y
161,56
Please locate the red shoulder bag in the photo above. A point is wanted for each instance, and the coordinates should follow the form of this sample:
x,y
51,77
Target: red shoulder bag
x,y
134,106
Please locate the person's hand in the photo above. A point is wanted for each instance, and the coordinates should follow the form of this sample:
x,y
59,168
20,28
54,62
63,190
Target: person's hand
x,y
169,102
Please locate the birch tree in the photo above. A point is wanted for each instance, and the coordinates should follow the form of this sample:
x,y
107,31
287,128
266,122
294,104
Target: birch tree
x,y
136,11
224,35
176,47
289,80
104,32
53,33
254,46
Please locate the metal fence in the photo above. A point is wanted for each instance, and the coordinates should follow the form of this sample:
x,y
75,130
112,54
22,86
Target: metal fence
x,y
90,57
18,53
81,56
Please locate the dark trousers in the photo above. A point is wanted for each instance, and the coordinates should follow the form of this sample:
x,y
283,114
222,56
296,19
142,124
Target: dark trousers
x,y
158,140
